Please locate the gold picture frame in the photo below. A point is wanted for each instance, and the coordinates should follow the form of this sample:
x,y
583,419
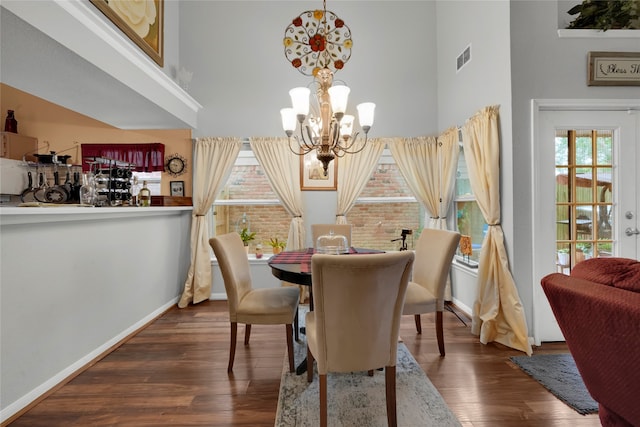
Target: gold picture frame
x,y
614,69
312,176
148,33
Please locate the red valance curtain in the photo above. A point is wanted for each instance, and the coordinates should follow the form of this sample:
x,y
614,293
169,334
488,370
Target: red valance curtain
x,y
147,157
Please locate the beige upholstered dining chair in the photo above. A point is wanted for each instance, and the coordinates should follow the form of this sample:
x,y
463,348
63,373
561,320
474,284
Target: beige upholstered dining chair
x,y
356,319
318,230
425,293
270,306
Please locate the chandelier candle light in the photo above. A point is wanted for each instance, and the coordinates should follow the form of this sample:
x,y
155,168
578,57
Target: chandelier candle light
x,y
318,43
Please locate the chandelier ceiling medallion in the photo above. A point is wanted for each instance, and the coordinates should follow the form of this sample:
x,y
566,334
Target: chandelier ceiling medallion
x,y
318,43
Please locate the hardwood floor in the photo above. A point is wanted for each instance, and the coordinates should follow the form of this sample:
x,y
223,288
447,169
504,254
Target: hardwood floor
x,y
174,372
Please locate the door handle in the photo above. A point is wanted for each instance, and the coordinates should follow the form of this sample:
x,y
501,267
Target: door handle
x,y
631,231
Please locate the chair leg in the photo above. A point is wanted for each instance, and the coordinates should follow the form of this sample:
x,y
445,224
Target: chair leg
x,y
418,323
232,347
289,330
390,385
295,326
323,400
440,333
247,334
309,365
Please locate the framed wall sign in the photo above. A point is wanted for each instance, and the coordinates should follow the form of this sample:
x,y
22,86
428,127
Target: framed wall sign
x,y
614,69
177,188
312,176
142,21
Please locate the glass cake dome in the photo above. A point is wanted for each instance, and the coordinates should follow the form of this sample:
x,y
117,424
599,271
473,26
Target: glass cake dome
x,y
332,244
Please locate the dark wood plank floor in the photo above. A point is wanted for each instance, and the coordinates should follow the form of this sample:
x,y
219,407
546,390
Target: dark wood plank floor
x,y
174,373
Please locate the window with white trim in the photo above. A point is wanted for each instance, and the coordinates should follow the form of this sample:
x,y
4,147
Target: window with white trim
x,y
469,219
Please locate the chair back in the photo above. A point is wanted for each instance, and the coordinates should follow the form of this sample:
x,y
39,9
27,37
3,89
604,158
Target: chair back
x,y
234,266
318,230
358,302
434,252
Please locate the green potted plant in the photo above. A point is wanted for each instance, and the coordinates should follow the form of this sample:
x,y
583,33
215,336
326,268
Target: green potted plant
x,y
246,237
276,245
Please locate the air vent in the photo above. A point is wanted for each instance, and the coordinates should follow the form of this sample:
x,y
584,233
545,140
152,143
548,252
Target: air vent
x,y
463,58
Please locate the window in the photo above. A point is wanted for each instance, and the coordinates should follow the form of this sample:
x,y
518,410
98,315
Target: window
x,y
153,182
247,201
469,219
385,207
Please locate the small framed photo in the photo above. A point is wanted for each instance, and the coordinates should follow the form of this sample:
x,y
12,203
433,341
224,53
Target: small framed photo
x,y
312,175
177,188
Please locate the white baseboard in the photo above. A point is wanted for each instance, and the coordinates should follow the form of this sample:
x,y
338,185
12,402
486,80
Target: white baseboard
x,y
459,304
34,394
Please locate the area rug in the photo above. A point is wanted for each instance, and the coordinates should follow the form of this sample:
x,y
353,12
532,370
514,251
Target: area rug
x,y
356,399
558,374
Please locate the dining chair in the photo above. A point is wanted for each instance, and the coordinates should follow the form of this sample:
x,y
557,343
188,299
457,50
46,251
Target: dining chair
x,y
318,230
356,318
264,306
425,294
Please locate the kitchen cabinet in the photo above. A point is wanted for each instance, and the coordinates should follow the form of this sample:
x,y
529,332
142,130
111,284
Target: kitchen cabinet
x,y
17,147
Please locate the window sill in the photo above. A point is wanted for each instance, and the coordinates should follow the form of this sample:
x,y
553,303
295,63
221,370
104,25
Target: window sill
x,y
463,266
252,259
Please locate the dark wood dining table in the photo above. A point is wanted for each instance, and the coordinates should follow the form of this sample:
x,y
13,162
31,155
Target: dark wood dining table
x,y
295,267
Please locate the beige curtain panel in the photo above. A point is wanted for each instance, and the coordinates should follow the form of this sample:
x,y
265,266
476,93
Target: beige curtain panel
x,y
417,160
213,160
497,312
282,169
353,174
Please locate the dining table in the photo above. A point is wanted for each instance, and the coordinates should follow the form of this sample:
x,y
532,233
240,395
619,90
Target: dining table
x,y
295,267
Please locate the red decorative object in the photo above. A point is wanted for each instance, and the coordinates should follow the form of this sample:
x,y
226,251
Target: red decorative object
x,y
317,39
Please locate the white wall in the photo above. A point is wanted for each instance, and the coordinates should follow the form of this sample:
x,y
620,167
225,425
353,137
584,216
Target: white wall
x,y
545,66
242,78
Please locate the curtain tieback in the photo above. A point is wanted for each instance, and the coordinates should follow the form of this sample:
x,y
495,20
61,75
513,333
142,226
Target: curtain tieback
x,y
434,217
297,216
340,215
199,214
494,225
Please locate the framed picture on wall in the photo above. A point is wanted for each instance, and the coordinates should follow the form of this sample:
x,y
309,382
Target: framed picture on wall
x,y
142,21
177,188
312,175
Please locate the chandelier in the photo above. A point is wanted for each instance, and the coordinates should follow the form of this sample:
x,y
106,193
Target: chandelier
x,y
318,43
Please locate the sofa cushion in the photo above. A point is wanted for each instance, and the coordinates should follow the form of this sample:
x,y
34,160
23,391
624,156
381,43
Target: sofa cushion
x,y
623,273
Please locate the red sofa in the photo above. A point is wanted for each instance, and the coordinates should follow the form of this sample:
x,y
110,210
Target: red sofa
x,y
598,310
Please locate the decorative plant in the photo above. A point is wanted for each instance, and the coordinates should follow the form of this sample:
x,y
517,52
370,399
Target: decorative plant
x,y
247,236
606,15
275,243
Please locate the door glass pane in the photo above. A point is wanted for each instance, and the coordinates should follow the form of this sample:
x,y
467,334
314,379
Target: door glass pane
x,y
562,185
562,149
583,195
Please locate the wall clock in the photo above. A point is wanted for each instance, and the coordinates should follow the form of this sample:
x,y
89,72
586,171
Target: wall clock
x,y
175,164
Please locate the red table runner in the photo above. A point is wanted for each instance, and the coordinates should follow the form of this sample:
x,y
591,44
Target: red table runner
x,y
303,257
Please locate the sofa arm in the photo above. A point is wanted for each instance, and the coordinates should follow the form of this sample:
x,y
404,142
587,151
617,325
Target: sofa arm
x,y
601,325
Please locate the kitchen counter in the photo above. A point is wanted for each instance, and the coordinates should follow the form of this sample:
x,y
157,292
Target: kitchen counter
x,y
13,215
75,281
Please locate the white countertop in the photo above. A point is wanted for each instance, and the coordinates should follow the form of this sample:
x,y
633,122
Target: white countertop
x,y
13,215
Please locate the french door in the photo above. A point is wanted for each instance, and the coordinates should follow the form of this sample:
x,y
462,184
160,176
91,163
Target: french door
x,y
585,196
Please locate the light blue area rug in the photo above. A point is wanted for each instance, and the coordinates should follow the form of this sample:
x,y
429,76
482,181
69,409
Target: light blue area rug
x,y
358,399
558,374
